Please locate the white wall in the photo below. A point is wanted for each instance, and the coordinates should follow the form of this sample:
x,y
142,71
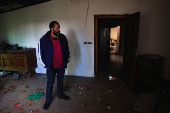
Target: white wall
x,y
25,26
113,33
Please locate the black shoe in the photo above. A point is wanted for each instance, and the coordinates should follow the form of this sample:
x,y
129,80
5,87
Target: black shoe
x,y
64,97
47,105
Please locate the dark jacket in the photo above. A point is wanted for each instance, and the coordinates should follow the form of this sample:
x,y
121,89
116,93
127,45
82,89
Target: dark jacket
x,y
46,50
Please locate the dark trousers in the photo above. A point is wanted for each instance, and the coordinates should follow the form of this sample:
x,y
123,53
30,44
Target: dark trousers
x,y
51,73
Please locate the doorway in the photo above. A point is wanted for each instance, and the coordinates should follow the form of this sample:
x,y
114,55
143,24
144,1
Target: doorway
x,y
114,39
104,25
129,31
110,59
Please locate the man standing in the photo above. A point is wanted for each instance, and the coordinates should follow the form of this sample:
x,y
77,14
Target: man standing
x,y
54,55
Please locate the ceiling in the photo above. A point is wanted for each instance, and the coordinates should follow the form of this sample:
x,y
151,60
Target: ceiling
x,y
10,5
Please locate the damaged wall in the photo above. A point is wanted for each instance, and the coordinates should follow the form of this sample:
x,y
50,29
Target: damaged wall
x,y
25,26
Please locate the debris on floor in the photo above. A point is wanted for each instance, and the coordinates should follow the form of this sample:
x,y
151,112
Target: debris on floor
x,y
13,76
29,100
84,87
12,88
109,107
23,91
69,86
111,92
99,98
4,73
39,89
26,86
84,105
87,95
37,111
35,96
16,104
6,91
111,77
66,93
20,109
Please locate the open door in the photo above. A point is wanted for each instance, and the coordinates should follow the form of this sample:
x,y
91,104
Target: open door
x,y
131,48
104,46
97,35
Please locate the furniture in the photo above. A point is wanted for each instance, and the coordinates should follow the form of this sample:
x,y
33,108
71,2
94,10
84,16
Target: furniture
x,y
149,70
112,46
21,60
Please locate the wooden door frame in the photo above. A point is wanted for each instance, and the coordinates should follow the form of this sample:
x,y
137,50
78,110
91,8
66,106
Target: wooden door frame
x,y
96,17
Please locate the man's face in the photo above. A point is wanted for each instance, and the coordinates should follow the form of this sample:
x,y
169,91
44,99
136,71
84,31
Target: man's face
x,y
56,29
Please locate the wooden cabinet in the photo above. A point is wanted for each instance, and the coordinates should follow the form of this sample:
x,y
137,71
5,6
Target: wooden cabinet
x,y
19,60
7,61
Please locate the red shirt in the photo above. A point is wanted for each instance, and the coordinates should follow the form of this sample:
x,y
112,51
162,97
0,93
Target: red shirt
x,y
57,61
